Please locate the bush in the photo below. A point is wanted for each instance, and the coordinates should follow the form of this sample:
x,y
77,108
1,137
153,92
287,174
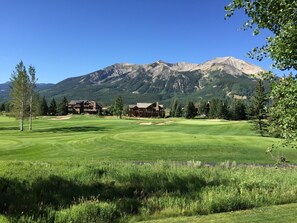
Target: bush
x,y
88,212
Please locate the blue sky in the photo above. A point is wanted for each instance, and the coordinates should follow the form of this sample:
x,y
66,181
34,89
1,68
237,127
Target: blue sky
x,y
66,38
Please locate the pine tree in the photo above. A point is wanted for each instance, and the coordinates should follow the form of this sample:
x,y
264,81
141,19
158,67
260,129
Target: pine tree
x,y
238,110
173,108
207,108
63,107
2,107
43,108
190,110
178,111
225,110
201,107
52,109
7,107
213,108
219,103
118,107
20,93
258,108
32,86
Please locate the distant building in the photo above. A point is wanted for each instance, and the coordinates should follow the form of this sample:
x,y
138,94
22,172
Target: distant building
x,y
83,106
147,110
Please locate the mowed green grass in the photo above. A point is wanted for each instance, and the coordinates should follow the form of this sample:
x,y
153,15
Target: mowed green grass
x,y
272,214
93,138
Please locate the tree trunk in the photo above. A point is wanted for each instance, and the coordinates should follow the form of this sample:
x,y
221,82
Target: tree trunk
x,y
22,118
30,114
21,124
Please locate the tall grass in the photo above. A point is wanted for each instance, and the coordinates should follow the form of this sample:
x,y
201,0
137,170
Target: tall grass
x,y
122,192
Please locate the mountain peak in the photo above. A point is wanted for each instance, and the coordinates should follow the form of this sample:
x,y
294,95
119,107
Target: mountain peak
x,y
218,78
231,65
161,61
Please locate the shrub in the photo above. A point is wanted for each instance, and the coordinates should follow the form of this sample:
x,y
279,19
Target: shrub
x,y
88,212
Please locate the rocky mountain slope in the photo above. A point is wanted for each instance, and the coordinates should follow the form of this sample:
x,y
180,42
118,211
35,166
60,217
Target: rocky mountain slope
x,y
224,77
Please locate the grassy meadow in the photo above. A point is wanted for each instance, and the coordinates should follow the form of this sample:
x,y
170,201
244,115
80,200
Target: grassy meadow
x,y
125,192
92,169
272,214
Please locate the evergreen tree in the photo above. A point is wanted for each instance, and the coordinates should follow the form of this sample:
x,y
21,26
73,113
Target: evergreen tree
x,y
238,110
118,107
258,108
207,108
36,104
52,109
225,110
20,93
63,107
213,108
126,110
190,110
7,107
220,108
178,111
43,107
173,108
2,107
32,86
201,107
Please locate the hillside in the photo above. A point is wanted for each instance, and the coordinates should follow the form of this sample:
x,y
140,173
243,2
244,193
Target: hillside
x,y
224,77
5,88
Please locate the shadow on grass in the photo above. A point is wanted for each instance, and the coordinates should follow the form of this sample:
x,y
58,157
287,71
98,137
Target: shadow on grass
x,y
33,198
9,128
73,129
54,192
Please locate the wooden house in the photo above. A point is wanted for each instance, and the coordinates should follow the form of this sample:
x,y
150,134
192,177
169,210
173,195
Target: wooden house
x,y
83,106
146,110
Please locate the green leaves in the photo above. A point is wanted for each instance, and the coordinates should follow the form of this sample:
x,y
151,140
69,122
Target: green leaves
x,y
190,110
258,111
283,113
22,92
279,17
118,106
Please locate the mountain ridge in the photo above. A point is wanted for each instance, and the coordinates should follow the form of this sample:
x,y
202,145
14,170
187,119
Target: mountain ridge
x,y
5,89
230,65
222,77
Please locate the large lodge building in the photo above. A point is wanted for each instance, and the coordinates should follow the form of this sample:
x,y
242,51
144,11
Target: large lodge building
x,y
83,106
146,110
136,110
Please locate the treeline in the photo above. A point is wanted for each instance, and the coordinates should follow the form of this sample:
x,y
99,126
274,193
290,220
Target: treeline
x,y
215,108
41,107
257,110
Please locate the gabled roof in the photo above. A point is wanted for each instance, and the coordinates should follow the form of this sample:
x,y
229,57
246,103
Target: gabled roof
x,y
73,102
132,106
143,105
